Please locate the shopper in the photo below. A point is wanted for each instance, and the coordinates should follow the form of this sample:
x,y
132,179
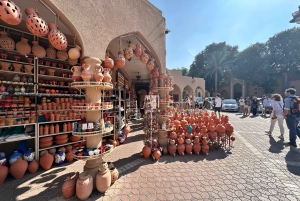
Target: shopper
x,y
206,104
291,120
196,104
254,105
242,104
267,105
247,106
218,104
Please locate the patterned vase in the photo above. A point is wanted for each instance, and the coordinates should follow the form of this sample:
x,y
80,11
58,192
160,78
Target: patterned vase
x,y
23,47
144,57
13,158
6,42
150,64
51,52
35,23
10,13
62,55
56,38
138,50
120,60
29,155
129,52
38,50
60,157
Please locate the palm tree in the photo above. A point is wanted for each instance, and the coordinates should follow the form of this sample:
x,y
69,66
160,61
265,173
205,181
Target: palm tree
x,y
217,62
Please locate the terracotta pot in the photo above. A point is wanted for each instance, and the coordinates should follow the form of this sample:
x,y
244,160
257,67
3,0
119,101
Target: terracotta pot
x,y
38,50
84,185
62,55
28,69
17,67
18,168
86,74
33,166
98,73
126,130
114,174
196,145
62,141
76,70
10,13
46,161
146,151
172,147
188,146
56,38
69,148
157,154
74,53
61,137
138,50
107,75
3,173
74,138
72,61
51,52
120,60
6,42
69,186
108,62
46,139
23,47
205,147
51,129
69,156
103,180
129,52
51,72
144,58
212,136
35,24
150,64
180,149
45,144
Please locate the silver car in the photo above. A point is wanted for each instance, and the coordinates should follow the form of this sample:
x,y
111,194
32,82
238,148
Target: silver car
x,y
230,105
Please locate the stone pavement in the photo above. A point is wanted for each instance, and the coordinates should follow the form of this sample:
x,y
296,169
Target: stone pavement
x,y
259,167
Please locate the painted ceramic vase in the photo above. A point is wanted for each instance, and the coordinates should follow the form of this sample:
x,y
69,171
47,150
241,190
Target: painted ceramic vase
x,y
10,13
129,52
74,53
35,23
84,185
33,166
56,38
150,64
29,155
86,74
114,174
13,158
76,70
46,161
120,60
138,50
62,55
144,58
190,129
18,168
6,42
3,173
68,188
98,73
23,47
60,157
146,151
51,52
103,179
107,75
108,62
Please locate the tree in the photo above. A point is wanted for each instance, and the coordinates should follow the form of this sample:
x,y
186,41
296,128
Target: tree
x,y
184,71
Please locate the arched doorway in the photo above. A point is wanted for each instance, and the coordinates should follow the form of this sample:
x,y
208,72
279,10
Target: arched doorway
x,y
176,93
199,92
237,90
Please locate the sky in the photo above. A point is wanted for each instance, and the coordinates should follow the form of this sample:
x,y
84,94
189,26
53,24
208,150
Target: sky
x,y
194,24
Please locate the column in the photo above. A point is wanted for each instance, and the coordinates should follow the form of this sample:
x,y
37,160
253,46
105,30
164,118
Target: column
x,y
231,88
244,89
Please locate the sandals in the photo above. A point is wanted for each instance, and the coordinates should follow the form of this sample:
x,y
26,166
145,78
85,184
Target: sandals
x,y
281,136
268,132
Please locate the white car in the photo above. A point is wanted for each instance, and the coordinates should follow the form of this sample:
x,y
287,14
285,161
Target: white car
x,y
230,105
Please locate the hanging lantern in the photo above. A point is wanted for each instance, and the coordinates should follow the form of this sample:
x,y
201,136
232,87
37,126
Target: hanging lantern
x,y
138,50
35,23
56,38
10,13
120,60
129,52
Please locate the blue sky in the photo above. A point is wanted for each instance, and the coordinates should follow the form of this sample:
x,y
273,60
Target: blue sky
x,y
195,24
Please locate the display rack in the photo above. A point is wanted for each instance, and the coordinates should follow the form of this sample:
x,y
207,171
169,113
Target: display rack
x,y
132,109
151,105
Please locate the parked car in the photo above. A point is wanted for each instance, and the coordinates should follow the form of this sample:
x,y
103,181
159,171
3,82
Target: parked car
x,y
230,105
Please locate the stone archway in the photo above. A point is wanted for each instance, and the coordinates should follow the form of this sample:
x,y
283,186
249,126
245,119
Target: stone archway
x,y
177,96
237,90
199,92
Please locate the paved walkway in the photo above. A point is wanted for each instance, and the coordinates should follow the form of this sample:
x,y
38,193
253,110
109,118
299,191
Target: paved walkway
x,y
258,168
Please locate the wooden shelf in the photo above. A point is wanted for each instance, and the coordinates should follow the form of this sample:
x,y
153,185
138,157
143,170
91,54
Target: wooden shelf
x,y
52,122
41,136
56,68
16,140
49,77
61,145
13,72
18,125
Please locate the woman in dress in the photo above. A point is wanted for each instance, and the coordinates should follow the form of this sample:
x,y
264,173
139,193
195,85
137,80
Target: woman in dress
x,y
246,107
277,114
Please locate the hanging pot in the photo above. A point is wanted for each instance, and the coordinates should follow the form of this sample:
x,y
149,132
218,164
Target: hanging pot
x,y
35,23
62,55
108,62
138,50
150,64
38,50
120,60
144,57
129,52
10,13
56,38
51,52
74,53
6,42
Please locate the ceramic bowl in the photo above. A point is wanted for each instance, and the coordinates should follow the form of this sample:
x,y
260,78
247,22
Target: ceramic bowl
x,y
46,139
61,137
62,141
45,144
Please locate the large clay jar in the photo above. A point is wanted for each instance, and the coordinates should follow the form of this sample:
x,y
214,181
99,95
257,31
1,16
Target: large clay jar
x,y
120,60
144,58
38,50
114,174
18,168
10,13
150,64
173,136
129,52
3,173
172,147
156,154
68,188
76,70
196,145
108,62
56,38
180,146
146,151
35,24
84,185
138,50
33,166
46,161
86,74
220,129
23,47
188,146
205,147
98,73
72,61
51,52
126,130
212,136
155,73
74,53
62,55
69,156
107,75
6,42
103,180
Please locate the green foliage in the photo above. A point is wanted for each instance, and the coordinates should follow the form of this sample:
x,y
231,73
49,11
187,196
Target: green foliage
x,y
184,71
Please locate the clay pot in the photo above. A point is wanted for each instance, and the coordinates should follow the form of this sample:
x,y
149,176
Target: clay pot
x,y
74,138
150,64
28,69
188,146
69,186
23,47
146,151
107,75
10,13
76,70
33,166
98,73
69,148
6,42
144,58
138,50
205,147
86,74
3,173
172,147
46,161
38,50
51,52
212,136
229,127
35,24
56,38
156,154
69,156
84,185
180,149
173,136
114,174
56,128
108,62
74,53
120,60
196,145
18,168
62,55
103,180
61,137
72,61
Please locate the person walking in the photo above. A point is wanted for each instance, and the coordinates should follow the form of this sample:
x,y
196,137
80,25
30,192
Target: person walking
x,y
206,104
292,121
247,106
218,104
266,105
254,106
277,115
242,104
